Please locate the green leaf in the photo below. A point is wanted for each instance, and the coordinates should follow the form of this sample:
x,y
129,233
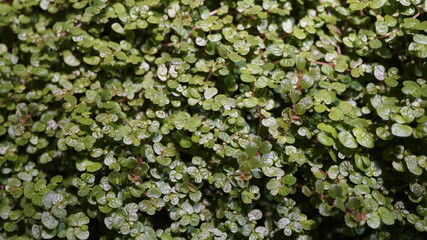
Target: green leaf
x,y
375,44
210,93
379,72
250,102
347,139
49,221
289,180
325,209
254,215
363,138
265,147
93,167
38,71
298,33
118,28
300,63
357,6
386,216
70,59
235,57
354,203
374,220
232,119
20,70
251,148
5,87
401,130
375,4
362,161
419,38
335,191
341,66
361,190
336,114
324,139
164,160
78,219
92,60
323,95
5,9
381,27
247,78
412,164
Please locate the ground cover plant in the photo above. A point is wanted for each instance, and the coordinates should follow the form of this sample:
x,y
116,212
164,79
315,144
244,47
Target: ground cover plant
x,y
202,119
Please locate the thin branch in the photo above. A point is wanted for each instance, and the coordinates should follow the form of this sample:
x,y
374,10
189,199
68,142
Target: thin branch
x,y
337,29
299,81
388,34
397,29
330,64
260,116
336,181
127,122
375,11
209,75
338,49
67,32
417,15
314,192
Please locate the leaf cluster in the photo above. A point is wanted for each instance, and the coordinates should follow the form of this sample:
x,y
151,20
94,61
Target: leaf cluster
x,y
213,120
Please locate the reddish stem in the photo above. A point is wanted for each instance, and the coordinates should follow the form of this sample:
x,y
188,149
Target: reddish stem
x,y
338,49
209,75
260,116
395,30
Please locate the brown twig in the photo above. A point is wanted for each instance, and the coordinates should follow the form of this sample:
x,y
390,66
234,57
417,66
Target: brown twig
x,y
388,34
330,64
67,32
375,11
127,122
140,159
336,181
417,15
397,29
337,30
209,75
299,81
260,116
315,192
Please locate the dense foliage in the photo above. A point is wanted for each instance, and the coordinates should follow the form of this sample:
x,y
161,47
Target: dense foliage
x,y
193,119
